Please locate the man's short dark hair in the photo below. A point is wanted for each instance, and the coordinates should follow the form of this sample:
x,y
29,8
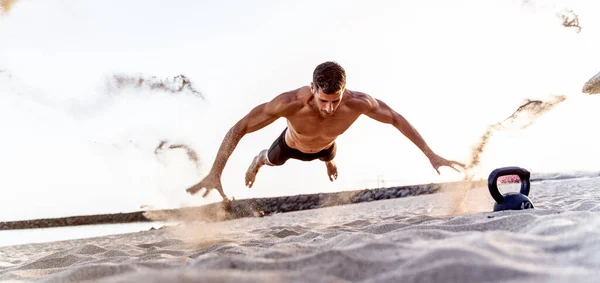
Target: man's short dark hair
x,y
329,77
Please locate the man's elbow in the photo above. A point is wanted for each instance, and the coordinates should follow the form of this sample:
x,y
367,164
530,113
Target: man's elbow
x,y
398,121
239,129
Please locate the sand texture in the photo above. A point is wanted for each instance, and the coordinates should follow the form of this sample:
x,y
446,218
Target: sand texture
x,y
411,239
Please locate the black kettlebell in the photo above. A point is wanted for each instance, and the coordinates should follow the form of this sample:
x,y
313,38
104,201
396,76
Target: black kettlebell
x,y
511,200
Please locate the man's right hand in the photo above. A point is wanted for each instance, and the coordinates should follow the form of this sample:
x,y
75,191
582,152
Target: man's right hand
x,y
209,182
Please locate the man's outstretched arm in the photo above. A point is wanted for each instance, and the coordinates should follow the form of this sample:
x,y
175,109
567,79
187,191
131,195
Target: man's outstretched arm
x,y
380,111
258,118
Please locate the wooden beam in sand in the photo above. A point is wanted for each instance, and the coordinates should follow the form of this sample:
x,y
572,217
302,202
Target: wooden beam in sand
x,y
256,207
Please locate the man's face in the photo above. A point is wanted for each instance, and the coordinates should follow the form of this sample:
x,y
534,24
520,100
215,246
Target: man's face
x,y
327,103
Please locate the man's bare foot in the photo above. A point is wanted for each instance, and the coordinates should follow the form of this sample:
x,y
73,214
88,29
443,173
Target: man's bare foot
x,y
258,162
332,172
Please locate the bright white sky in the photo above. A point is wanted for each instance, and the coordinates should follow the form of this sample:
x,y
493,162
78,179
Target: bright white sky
x,y
450,67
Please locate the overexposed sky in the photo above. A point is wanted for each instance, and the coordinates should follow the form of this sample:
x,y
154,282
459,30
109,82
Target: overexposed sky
x,y
450,67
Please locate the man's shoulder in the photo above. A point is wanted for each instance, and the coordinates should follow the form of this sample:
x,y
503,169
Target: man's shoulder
x,y
359,100
301,94
288,102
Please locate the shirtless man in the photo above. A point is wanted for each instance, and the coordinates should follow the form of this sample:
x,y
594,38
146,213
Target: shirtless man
x,y
316,115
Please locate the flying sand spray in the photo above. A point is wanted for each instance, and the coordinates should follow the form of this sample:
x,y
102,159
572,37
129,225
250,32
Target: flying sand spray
x,y
522,118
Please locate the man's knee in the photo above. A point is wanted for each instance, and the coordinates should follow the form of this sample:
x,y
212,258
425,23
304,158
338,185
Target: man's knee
x,y
326,159
272,160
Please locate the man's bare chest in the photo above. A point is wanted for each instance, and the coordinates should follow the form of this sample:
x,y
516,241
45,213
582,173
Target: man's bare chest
x,y
310,124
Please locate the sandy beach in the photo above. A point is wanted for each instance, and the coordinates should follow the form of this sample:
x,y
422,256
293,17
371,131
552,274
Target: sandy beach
x,y
411,239
111,111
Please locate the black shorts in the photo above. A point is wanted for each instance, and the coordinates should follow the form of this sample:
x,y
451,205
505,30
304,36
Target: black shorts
x,y
280,152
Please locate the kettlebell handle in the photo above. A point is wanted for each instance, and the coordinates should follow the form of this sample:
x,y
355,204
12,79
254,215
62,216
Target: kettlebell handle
x,y
523,174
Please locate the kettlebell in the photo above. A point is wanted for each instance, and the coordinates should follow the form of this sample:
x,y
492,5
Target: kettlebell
x,y
511,200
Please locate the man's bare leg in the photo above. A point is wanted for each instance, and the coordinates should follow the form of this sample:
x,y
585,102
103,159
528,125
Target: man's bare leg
x,y
259,161
332,172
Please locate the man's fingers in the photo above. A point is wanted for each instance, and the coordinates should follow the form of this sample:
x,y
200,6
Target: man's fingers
x,y
460,164
221,192
218,188
193,190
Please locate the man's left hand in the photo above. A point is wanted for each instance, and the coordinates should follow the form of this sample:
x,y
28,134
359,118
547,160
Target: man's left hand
x,y
438,161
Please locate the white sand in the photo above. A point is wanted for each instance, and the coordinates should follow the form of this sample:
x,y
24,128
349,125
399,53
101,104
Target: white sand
x,y
411,239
